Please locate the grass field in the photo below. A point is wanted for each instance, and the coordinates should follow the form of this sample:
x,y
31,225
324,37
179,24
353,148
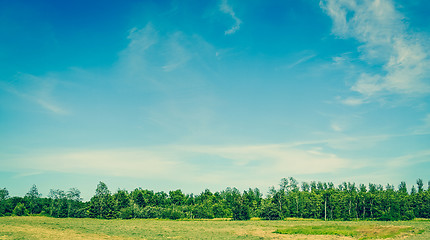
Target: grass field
x,y
36,227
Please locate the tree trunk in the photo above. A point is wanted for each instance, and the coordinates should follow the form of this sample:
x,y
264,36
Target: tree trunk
x,y
325,209
349,209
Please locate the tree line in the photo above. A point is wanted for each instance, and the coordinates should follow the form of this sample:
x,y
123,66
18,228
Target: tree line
x,y
318,200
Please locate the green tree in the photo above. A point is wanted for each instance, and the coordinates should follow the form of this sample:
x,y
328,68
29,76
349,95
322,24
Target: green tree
x,y
402,188
33,195
176,197
413,190
269,211
102,204
241,211
4,195
138,198
20,210
122,199
58,203
420,185
306,187
73,202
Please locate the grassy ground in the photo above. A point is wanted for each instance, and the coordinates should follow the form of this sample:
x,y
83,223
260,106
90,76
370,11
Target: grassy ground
x,y
51,228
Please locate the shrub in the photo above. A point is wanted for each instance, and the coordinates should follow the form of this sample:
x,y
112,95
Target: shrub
x,y
151,212
203,211
409,215
126,213
20,210
270,212
241,212
172,213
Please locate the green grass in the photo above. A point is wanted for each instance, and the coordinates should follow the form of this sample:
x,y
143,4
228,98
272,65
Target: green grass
x,y
359,232
37,227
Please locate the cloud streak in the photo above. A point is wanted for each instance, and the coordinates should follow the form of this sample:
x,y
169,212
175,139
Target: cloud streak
x,y
227,9
228,164
301,60
37,90
402,58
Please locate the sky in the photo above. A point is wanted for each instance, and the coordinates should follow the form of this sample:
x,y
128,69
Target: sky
x,y
190,95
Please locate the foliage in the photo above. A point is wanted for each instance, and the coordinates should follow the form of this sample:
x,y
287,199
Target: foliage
x,y
20,210
241,211
270,211
316,200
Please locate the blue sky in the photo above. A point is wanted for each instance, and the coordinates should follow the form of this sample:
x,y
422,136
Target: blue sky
x,y
210,94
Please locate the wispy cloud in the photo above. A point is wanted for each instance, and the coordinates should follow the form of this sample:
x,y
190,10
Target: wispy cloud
x,y
410,159
27,174
205,164
336,127
37,90
226,8
424,128
132,61
202,163
178,54
354,101
301,60
403,56
172,66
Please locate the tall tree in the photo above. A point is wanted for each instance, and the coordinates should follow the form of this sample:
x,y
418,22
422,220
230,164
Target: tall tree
x,y
33,192
4,194
73,197
402,188
177,197
102,190
102,204
420,185
305,187
33,195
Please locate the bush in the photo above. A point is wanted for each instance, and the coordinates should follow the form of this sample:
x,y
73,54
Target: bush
x,y
79,213
241,212
20,210
270,212
172,213
151,212
126,213
409,215
202,211
221,211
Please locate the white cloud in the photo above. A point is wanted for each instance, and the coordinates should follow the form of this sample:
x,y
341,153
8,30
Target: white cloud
x,y
227,164
354,101
209,165
336,127
410,159
276,158
37,90
132,61
404,57
226,8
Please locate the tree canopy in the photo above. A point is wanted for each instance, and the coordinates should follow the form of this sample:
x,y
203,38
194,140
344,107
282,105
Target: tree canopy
x,y
318,200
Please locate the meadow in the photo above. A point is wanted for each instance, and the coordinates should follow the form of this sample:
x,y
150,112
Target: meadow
x,y
39,227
